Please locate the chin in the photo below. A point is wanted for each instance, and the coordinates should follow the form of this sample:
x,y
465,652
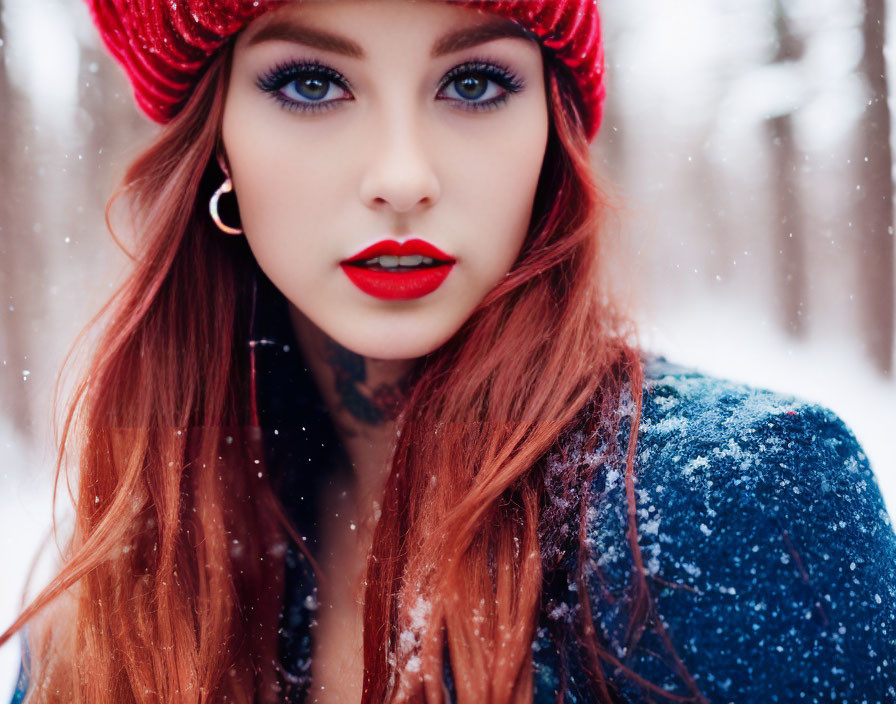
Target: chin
x,y
391,344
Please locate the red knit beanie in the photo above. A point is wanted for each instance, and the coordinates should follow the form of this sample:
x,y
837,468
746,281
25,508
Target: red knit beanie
x,y
164,45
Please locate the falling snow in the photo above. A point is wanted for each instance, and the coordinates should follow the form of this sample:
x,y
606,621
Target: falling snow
x,y
765,544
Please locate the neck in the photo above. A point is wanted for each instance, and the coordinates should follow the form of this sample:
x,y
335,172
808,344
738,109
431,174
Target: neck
x,y
364,396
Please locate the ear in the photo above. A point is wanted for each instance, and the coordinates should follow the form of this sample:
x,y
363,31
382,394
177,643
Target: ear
x,y
221,156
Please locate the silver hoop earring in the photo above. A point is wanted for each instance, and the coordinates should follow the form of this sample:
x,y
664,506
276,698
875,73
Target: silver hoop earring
x,y
226,187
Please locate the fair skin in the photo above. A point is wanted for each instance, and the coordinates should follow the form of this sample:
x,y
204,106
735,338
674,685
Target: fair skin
x,y
395,148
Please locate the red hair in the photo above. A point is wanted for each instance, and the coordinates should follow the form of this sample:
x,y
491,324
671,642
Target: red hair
x,y
173,578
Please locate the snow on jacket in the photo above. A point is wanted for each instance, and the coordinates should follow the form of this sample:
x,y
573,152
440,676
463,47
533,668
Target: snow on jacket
x,y
768,550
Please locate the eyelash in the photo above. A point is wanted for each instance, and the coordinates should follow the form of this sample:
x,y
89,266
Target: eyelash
x,y
285,73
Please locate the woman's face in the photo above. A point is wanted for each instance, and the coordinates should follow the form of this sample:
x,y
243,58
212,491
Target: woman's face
x,y
348,123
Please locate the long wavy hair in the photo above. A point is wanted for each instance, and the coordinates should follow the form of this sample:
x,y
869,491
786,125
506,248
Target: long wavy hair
x,y
154,604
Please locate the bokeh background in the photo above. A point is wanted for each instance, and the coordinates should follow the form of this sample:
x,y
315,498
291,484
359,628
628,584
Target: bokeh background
x,y
750,143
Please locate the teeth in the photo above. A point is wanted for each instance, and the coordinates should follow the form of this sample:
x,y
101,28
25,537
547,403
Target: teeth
x,y
391,262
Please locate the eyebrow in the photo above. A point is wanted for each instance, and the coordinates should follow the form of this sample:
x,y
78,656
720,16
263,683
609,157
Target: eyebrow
x,y
288,30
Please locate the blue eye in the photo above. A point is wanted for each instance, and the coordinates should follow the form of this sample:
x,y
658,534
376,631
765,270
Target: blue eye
x,y
303,86
306,86
471,81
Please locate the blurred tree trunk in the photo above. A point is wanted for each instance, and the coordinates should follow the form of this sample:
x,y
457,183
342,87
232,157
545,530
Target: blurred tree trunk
x,y
608,154
5,142
788,240
876,259
712,233
16,248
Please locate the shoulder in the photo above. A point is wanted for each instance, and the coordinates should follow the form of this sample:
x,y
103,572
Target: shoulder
x,y
723,440
710,445
18,696
768,550
46,642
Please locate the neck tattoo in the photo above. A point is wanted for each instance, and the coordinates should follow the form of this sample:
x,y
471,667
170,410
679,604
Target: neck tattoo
x,y
373,405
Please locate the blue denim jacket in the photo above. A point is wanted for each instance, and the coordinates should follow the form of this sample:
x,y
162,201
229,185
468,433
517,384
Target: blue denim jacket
x,y
769,554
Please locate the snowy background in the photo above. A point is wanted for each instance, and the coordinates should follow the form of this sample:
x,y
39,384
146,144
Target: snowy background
x,y
750,143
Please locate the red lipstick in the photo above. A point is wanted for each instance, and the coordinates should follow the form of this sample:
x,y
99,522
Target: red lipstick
x,y
398,281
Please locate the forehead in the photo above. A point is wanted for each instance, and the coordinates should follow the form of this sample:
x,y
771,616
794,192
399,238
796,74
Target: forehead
x,y
341,26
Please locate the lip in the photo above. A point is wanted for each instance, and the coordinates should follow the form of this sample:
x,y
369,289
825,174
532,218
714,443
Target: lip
x,y
400,249
398,285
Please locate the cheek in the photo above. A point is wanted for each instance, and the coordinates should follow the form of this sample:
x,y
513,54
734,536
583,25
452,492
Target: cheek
x,y
279,220
272,185
503,187
287,196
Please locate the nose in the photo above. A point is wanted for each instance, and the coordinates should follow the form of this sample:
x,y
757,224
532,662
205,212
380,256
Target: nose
x,y
400,175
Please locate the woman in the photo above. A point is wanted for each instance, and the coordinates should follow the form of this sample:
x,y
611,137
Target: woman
x,y
363,425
